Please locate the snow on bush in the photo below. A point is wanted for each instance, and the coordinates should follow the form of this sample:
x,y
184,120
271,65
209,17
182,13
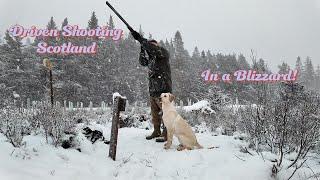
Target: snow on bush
x,y
136,116
203,106
135,120
285,124
197,113
55,122
14,125
214,112
202,128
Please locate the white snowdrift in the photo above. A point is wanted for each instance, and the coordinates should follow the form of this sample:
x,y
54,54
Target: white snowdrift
x,y
203,105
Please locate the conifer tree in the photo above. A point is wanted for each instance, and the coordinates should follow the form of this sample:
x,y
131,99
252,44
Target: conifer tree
x,y
203,54
178,46
93,21
13,43
284,68
243,63
181,66
64,23
196,53
317,82
299,64
162,43
170,48
299,67
13,49
111,23
308,73
92,24
51,24
209,55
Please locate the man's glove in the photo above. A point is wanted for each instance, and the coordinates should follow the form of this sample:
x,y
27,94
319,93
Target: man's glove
x,y
136,35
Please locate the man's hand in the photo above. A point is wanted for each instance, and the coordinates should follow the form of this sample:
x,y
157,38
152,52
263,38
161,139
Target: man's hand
x,y
136,35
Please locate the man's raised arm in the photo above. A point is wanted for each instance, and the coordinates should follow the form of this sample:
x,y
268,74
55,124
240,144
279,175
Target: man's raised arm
x,y
153,49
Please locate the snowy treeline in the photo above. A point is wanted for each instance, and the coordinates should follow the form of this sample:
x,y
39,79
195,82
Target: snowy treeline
x,y
115,67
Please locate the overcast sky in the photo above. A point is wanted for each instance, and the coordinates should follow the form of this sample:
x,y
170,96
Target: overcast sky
x,y
276,29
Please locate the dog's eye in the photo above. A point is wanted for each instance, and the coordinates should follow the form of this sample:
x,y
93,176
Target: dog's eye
x,y
165,96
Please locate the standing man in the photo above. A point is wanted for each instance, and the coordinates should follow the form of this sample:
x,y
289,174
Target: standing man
x,y
157,59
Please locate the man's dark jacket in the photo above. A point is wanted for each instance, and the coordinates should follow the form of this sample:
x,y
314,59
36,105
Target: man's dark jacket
x,y
157,60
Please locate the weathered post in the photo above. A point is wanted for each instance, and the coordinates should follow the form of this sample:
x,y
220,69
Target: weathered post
x,y
90,105
119,104
28,103
65,105
47,63
51,86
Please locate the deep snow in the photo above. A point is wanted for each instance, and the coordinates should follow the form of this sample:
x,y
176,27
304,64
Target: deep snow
x,y
137,158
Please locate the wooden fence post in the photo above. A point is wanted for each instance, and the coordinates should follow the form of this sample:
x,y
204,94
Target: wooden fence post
x,y
65,105
47,63
90,106
119,105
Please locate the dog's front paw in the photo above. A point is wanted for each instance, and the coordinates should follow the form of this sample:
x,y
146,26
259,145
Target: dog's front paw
x,y
167,146
180,147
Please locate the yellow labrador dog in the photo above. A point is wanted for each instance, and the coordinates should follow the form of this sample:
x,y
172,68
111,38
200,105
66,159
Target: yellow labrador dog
x,y
176,125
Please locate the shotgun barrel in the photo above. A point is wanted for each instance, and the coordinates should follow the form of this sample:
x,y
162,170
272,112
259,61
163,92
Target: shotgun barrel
x,y
116,12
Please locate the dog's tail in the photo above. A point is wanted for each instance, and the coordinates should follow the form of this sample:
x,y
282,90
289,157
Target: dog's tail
x,y
199,146
213,147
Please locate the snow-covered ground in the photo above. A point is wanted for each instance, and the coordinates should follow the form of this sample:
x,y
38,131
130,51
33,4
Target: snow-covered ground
x,y
137,158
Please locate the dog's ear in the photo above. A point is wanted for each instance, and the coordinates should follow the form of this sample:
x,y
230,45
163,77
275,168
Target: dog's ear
x,y
171,97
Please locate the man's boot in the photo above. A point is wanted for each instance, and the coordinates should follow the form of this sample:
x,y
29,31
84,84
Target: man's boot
x,y
156,133
163,137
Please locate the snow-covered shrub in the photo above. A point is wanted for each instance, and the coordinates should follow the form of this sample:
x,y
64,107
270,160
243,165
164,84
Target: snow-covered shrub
x,y
225,116
214,112
199,113
136,116
14,124
5,95
102,118
135,120
202,128
99,116
224,119
55,122
79,116
288,122
138,108
218,99
62,123
226,112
